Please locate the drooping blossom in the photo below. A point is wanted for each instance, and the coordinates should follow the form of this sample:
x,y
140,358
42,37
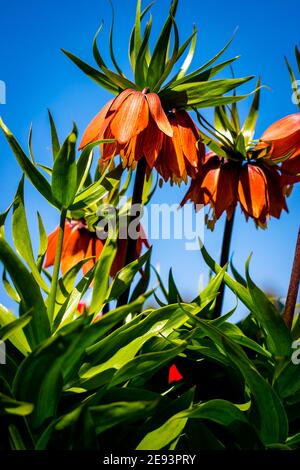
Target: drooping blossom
x,y
80,243
137,122
180,155
223,184
283,139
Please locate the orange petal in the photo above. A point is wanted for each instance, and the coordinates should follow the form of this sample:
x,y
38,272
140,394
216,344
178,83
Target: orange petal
x,y
131,118
152,142
158,114
95,129
52,243
227,186
189,137
284,135
51,248
120,99
75,248
252,191
276,196
178,165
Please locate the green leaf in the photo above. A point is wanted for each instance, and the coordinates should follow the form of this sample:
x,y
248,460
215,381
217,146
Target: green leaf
x,y
294,441
206,65
28,290
188,60
94,74
96,52
93,193
146,363
202,93
120,347
14,407
21,236
66,313
101,278
203,76
270,419
125,276
287,383
170,63
64,175
250,123
141,67
54,137
84,164
30,145
278,337
143,283
43,242
109,415
169,430
237,275
242,293
135,36
7,331
34,176
111,48
9,288
160,54
234,333
18,338
174,295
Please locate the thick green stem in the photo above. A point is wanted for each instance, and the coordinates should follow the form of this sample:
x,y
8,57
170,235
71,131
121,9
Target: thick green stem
x,y
224,260
291,299
137,196
56,267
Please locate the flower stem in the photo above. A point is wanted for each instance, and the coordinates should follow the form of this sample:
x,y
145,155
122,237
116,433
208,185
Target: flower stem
x,y
293,287
137,196
224,259
56,267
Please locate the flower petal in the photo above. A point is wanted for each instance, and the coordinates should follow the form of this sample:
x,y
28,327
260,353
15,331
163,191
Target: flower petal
x,y
284,135
189,136
52,243
158,114
131,118
96,127
75,248
252,191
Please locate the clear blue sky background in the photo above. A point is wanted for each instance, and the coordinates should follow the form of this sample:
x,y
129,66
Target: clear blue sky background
x,y
38,76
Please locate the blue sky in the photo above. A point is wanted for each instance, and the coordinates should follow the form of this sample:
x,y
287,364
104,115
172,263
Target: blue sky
x,y
38,76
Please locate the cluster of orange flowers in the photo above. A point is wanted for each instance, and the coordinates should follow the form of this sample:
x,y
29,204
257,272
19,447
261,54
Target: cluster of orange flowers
x,y
141,128
171,143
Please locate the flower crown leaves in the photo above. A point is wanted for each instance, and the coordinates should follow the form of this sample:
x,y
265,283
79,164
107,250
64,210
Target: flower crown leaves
x,y
151,71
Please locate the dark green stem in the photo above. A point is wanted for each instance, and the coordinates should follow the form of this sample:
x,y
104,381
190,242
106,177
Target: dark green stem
x,y
291,299
137,196
224,260
56,267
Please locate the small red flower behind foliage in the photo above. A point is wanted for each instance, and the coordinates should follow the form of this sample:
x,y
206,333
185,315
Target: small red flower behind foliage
x,y
174,375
